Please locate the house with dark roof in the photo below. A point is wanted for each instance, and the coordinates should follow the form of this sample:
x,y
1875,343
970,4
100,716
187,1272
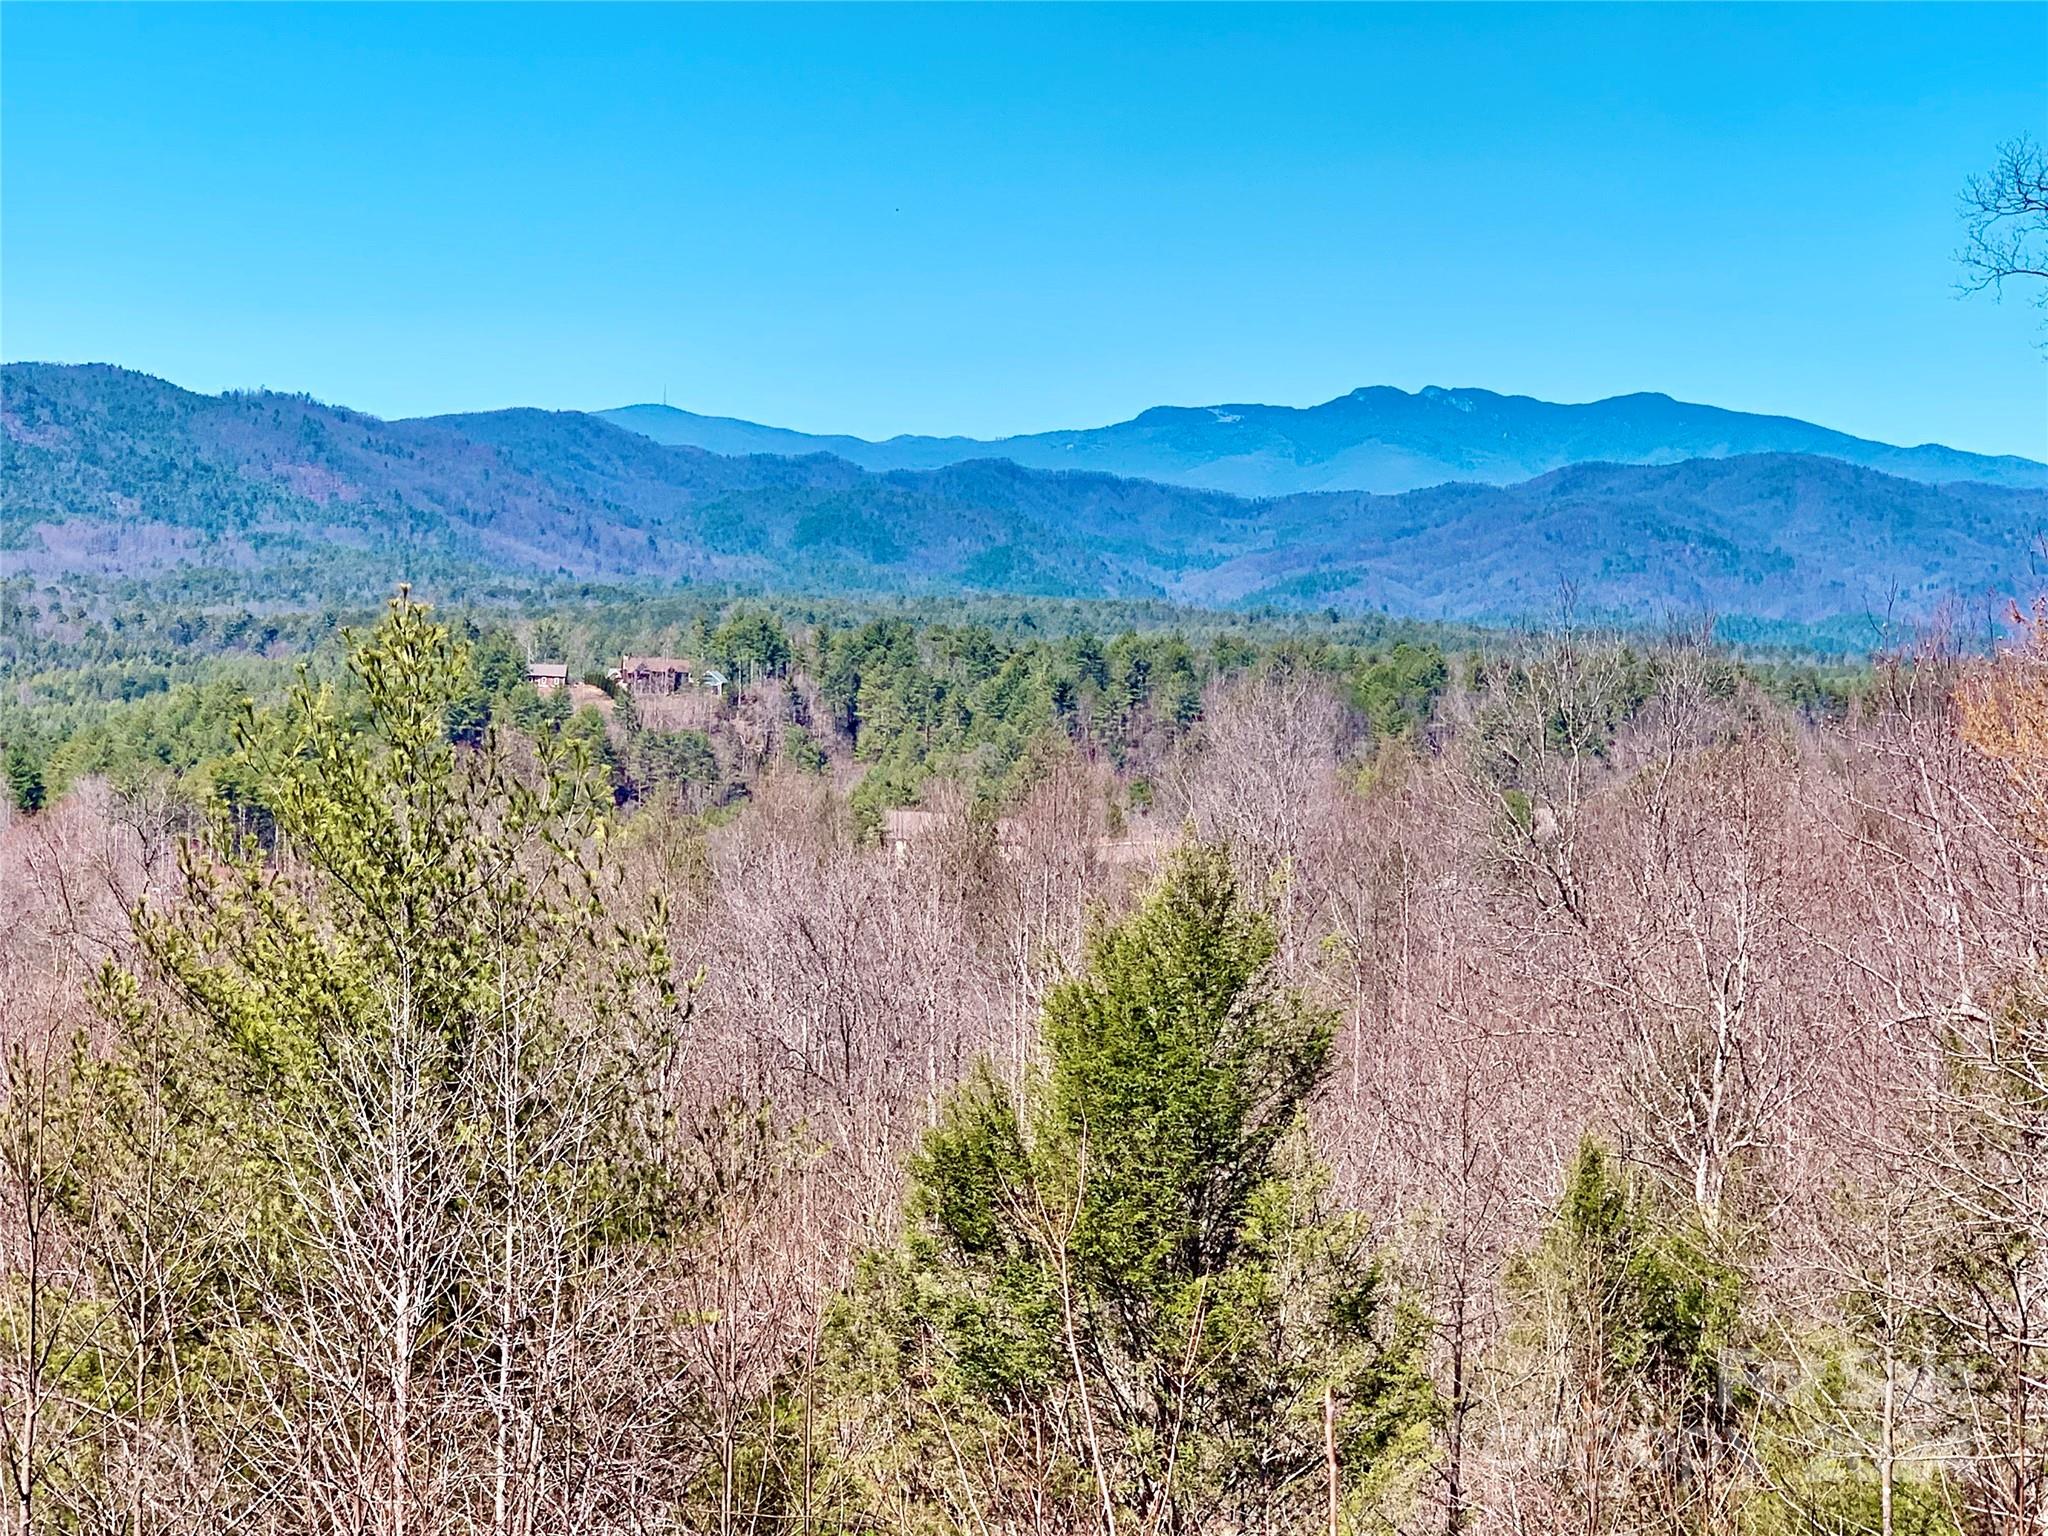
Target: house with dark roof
x,y
656,676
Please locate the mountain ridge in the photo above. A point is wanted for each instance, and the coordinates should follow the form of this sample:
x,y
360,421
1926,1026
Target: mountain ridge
x,y
111,475
1375,438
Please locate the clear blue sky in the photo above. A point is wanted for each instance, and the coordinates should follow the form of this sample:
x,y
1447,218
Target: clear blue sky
x,y
985,220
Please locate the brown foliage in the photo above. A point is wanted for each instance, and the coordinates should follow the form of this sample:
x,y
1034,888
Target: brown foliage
x,y
1751,950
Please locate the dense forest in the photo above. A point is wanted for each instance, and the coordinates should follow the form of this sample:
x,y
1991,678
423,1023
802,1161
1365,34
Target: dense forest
x,y
1296,1075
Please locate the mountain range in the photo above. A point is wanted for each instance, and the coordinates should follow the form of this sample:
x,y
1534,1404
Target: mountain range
x,y
1378,439
111,475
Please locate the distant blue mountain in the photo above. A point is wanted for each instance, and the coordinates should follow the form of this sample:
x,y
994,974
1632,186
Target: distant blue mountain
x,y
1378,439
108,475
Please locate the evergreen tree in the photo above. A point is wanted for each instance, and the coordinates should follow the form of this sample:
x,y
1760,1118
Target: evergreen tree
x,y
1632,1316
384,1111
751,645
1131,1262
801,750
24,778
1084,654
1396,691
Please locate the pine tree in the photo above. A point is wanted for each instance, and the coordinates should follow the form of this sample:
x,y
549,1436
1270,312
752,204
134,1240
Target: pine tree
x,y
385,1116
24,778
1125,1280
1630,1315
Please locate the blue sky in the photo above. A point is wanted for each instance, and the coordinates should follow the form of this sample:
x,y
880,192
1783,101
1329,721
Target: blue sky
x,y
876,219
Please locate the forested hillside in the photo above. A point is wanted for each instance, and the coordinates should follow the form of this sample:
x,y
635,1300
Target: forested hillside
x,y
894,691
1291,1078
114,477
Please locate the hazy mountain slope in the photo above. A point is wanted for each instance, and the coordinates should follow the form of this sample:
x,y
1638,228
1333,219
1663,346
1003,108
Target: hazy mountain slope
x,y
730,435
113,474
1379,439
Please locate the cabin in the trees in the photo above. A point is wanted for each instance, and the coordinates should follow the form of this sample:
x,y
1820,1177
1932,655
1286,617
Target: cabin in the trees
x,y
547,676
656,676
659,677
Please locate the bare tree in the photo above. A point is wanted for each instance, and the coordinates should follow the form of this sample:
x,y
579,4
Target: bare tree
x,y
1789,970
2005,222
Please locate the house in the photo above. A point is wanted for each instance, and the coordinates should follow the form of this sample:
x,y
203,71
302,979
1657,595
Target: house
x,y
655,676
547,676
714,681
